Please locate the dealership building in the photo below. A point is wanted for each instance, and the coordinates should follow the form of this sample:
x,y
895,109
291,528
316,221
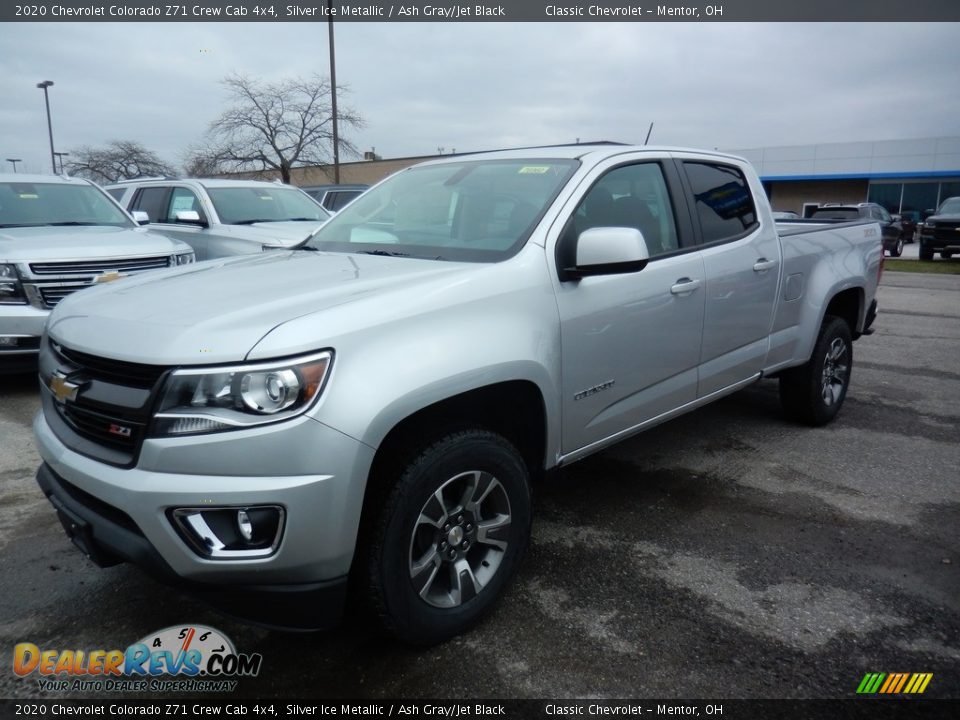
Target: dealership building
x,y
905,176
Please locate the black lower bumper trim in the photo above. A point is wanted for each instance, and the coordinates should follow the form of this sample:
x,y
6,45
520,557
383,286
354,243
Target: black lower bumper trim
x,y
108,536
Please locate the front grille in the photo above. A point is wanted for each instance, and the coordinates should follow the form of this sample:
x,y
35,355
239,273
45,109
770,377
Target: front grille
x,y
117,372
107,414
98,267
119,434
53,294
947,232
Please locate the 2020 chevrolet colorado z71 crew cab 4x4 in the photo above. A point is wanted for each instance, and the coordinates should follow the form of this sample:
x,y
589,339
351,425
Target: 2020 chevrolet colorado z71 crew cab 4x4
x,y
373,404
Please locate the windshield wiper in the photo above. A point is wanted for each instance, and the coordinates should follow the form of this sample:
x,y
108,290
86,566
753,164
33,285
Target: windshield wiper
x,y
72,223
266,220
387,253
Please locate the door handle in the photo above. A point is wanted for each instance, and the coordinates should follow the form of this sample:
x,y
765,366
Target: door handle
x,y
762,265
684,286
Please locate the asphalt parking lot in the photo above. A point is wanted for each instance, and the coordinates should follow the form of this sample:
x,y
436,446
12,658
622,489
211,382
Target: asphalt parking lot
x,y
726,554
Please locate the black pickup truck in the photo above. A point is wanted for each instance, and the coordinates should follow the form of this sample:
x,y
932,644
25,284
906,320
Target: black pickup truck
x,y
941,232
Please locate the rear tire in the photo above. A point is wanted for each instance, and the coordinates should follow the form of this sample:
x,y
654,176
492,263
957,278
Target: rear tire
x,y
926,253
814,392
897,250
449,537
945,255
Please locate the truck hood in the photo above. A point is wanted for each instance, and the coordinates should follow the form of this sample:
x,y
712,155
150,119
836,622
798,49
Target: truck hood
x,y
216,311
278,234
38,244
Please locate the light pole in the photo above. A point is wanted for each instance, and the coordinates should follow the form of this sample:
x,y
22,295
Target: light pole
x,y
333,96
46,98
60,157
14,161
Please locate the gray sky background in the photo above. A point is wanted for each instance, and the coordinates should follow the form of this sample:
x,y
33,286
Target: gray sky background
x,y
479,86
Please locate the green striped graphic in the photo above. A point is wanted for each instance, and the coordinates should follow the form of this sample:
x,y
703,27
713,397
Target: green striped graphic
x,y
871,683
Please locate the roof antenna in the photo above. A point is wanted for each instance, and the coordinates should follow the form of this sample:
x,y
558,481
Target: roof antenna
x,y
648,134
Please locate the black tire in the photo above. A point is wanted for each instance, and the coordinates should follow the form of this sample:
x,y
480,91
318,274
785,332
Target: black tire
x,y
897,249
926,253
945,255
428,606
814,392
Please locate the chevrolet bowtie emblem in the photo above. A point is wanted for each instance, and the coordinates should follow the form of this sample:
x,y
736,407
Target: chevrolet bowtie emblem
x,y
62,388
108,277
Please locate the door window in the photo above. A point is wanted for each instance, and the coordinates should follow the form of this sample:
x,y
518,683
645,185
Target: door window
x,y
723,201
182,199
633,196
152,201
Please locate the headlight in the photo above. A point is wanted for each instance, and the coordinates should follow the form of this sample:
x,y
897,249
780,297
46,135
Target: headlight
x,y
184,258
202,400
11,291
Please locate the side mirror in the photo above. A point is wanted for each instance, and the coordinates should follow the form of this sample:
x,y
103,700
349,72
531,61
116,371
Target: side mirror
x,y
140,217
609,251
896,218
189,217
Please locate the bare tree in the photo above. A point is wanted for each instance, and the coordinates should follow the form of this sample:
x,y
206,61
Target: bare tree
x,y
117,160
275,126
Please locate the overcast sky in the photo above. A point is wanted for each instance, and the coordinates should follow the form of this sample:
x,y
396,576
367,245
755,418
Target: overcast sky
x,y
473,86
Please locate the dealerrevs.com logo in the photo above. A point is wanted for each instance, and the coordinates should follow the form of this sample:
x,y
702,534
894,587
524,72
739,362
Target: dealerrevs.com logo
x,y
179,658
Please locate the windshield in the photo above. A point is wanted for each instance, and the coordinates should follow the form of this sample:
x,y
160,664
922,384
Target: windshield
x,y
248,205
951,206
38,204
474,211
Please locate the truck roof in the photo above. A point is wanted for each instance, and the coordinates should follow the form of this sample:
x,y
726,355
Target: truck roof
x,y
597,152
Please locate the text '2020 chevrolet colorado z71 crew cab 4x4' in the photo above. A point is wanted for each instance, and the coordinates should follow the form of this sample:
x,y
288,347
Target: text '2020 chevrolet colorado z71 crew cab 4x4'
x,y
373,404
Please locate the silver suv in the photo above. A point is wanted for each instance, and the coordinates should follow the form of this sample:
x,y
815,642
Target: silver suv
x,y
59,235
223,217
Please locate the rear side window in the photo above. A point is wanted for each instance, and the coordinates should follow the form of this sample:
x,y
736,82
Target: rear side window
x,y
722,200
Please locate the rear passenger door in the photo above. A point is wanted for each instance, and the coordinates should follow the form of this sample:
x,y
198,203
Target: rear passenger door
x,y
741,258
631,341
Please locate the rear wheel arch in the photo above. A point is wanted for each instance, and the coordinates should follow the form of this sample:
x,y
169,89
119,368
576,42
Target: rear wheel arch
x,y
848,305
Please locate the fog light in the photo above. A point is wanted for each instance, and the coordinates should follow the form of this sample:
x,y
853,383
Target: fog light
x,y
246,527
231,533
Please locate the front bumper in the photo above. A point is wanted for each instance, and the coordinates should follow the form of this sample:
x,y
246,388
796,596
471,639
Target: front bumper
x,y
115,515
20,329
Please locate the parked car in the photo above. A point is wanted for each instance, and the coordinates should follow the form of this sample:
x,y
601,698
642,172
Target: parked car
x,y
335,197
59,235
373,404
910,222
892,229
218,218
941,231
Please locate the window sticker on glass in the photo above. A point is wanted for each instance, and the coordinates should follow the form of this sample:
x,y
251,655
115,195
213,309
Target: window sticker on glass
x,y
29,196
534,169
182,202
264,196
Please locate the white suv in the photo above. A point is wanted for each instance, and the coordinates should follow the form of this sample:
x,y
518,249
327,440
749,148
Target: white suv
x,y
223,217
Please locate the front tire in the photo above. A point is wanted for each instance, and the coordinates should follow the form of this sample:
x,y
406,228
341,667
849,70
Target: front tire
x,y
926,253
814,392
449,537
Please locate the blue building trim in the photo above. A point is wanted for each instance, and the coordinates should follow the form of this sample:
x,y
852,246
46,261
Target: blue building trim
x,y
866,176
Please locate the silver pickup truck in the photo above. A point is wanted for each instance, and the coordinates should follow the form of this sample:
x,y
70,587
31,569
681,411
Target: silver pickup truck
x,y
365,413
59,235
